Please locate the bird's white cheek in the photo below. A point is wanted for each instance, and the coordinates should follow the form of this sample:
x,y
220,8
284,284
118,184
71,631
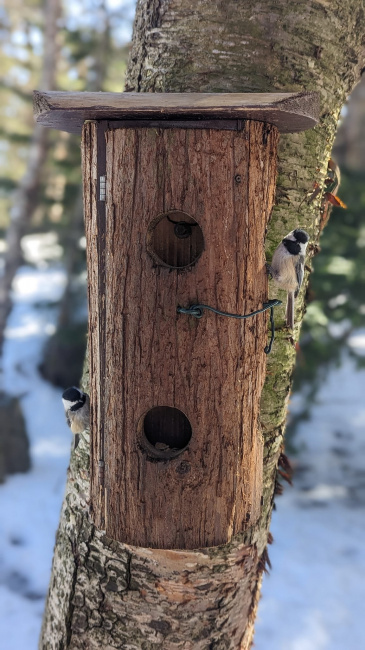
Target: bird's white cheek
x,y
67,404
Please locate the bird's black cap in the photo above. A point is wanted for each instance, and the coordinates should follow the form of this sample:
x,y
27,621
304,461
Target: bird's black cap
x,y
72,394
301,236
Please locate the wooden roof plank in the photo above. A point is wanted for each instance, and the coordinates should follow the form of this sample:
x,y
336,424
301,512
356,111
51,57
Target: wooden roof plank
x,y
67,111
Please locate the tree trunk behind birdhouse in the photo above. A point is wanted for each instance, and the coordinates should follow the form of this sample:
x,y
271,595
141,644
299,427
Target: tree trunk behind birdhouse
x,y
106,594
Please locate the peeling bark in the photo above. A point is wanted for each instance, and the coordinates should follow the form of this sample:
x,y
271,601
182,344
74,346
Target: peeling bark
x,y
110,595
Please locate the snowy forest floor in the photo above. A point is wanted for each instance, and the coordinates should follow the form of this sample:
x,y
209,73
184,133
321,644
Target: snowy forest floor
x,y
313,599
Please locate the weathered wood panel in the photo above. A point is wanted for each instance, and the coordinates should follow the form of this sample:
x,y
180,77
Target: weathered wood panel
x,y
96,295
68,111
210,369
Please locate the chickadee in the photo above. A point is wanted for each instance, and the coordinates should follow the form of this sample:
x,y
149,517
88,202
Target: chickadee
x,y
287,268
77,409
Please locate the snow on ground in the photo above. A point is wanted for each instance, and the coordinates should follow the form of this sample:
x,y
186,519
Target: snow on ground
x,y
30,503
313,599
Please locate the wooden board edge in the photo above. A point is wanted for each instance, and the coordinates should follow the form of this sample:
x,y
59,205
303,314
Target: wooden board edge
x,y
290,112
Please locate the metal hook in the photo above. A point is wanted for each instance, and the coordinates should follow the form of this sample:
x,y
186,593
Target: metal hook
x,y
197,312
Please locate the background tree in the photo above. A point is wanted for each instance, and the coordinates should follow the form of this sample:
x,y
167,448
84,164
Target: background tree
x,y
14,448
25,199
46,47
65,350
43,45
105,593
336,291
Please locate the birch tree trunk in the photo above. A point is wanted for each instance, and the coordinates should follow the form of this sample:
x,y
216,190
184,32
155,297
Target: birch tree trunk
x,y
110,595
25,198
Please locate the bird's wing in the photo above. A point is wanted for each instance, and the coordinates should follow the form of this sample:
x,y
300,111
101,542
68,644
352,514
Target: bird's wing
x,y
299,270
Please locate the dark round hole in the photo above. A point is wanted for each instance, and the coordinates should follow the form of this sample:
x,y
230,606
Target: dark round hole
x,y
167,430
175,239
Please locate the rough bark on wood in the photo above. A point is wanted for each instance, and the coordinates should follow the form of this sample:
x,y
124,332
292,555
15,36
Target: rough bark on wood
x,y
211,369
216,47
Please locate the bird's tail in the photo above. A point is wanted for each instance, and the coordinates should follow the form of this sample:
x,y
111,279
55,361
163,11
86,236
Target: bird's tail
x,y
289,314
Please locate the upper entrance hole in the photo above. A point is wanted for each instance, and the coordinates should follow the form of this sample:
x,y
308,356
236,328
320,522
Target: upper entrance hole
x,y
175,239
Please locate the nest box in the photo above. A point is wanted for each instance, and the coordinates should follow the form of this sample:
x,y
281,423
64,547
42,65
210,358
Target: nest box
x,y
178,191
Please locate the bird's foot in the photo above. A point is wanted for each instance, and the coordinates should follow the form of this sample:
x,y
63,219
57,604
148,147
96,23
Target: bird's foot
x,y
269,270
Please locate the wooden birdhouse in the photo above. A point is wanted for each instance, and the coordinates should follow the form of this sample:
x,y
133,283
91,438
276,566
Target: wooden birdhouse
x,y
178,192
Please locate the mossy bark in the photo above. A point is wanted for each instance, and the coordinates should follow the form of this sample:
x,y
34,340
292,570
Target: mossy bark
x,y
106,594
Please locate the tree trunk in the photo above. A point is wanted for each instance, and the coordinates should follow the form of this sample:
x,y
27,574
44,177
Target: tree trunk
x,y
111,595
25,197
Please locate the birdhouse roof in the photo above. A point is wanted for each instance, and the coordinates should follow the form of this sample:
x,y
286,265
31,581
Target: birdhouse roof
x,y
67,111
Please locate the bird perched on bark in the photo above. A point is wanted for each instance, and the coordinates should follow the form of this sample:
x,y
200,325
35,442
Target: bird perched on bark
x,y
77,409
287,268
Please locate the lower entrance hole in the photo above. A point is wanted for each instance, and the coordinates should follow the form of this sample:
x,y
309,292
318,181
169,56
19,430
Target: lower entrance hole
x,y
166,431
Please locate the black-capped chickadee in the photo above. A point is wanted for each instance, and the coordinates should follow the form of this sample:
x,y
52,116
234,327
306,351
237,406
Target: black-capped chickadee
x,y
287,268
77,409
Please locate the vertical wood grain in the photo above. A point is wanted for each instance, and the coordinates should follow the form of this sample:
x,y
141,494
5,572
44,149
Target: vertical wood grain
x,y
211,369
94,248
